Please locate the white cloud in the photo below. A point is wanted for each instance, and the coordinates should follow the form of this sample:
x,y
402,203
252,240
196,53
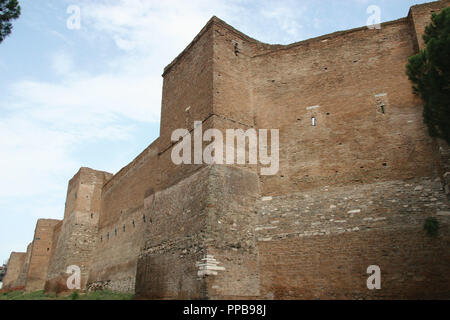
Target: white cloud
x,y
91,100
285,17
144,24
62,63
31,156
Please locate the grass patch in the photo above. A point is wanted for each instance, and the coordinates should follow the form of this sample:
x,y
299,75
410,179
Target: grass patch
x,y
21,295
40,295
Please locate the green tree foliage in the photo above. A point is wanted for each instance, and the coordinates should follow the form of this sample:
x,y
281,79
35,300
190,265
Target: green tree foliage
x,y
429,70
9,10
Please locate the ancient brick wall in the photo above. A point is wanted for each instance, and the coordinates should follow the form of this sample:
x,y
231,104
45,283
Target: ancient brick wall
x,y
22,278
15,264
368,134
41,252
75,237
353,190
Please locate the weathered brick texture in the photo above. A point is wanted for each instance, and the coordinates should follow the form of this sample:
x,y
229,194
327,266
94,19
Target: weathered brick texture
x,y
75,237
15,263
22,278
41,252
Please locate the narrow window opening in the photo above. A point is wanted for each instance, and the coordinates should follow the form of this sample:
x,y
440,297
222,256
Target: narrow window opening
x,y
101,238
107,236
236,49
381,102
134,225
92,216
123,228
115,232
143,217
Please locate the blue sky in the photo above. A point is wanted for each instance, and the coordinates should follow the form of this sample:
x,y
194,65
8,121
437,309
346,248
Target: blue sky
x,y
91,96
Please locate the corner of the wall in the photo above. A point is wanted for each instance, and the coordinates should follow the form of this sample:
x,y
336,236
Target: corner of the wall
x,y
204,31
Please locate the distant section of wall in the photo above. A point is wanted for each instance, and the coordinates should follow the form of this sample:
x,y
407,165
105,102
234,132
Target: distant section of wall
x,y
75,238
15,264
22,279
41,253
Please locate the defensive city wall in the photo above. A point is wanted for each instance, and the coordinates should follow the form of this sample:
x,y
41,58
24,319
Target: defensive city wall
x,y
358,176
